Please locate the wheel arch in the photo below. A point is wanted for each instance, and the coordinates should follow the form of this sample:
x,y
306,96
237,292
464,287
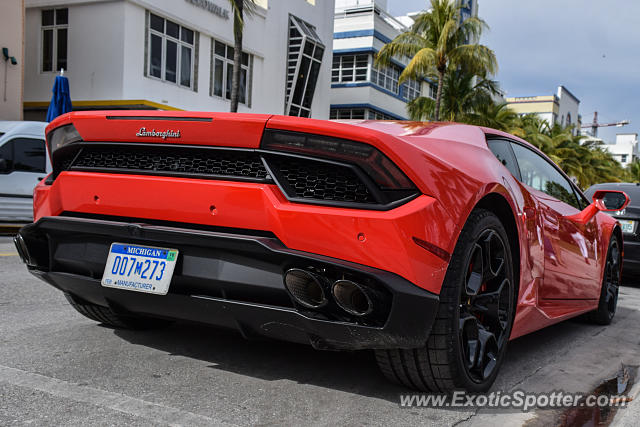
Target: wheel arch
x,y
608,230
618,233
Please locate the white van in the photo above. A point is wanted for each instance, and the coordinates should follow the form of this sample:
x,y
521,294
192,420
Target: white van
x,y
23,163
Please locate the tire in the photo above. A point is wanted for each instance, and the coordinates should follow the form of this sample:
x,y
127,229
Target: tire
x,y
611,280
461,352
108,317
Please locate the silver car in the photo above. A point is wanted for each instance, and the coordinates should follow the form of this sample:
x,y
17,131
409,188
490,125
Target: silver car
x,y
23,163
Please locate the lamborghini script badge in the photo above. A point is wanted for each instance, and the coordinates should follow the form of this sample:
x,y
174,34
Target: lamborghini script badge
x,y
164,134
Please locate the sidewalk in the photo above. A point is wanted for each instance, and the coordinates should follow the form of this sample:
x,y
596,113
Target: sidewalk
x,y
630,416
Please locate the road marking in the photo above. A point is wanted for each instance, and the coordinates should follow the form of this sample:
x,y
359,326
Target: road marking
x,y
155,412
8,253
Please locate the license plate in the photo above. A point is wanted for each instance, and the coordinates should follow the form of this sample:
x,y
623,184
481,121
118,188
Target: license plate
x,y
139,268
627,225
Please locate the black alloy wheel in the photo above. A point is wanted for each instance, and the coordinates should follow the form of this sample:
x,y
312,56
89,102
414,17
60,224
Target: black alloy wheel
x,y
485,306
468,341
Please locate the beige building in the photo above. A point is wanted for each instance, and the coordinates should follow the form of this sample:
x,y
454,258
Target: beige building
x,y
12,56
561,108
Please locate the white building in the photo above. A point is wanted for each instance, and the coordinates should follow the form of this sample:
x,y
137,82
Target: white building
x,y
178,54
625,150
360,90
12,64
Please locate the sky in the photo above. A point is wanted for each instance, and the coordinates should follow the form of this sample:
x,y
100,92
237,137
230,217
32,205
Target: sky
x,y
592,47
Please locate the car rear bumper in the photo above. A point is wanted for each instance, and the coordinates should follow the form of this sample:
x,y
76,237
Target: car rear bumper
x,y
381,239
230,278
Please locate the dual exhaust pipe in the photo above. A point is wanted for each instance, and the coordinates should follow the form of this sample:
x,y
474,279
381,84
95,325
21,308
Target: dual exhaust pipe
x,y
21,248
308,289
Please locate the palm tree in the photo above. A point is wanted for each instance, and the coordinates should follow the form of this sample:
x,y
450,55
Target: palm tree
x,y
463,93
240,8
494,115
634,171
587,162
438,41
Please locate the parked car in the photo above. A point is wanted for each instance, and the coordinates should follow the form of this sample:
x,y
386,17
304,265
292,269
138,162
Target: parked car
x,y
433,244
629,219
23,163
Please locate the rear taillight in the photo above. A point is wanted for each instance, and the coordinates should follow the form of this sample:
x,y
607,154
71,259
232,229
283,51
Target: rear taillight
x,y
59,137
57,140
334,171
375,164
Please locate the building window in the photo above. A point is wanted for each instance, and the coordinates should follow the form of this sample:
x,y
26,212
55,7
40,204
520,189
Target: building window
x,y
386,77
433,91
304,57
222,72
347,113
171,51
349,68
377,115
411,89
55,24
623,158
354,68
357,114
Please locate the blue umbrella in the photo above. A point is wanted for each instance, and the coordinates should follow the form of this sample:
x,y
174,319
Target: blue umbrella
x,y
61,99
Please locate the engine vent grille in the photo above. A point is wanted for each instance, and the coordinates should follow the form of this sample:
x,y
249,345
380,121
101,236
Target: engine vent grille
x,y
158,160
308,179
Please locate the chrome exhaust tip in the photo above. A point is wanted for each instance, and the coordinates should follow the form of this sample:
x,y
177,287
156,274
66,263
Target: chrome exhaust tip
x,y
21,247
352,297
305,287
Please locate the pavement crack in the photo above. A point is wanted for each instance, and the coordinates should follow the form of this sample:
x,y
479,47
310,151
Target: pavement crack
x,y
464,420
526,377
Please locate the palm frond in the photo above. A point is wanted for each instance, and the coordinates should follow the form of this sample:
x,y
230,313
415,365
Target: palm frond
x,y
421,65
406,44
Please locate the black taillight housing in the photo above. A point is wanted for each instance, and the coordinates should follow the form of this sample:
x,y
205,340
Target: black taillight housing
x,y
59,142
386,184
61,136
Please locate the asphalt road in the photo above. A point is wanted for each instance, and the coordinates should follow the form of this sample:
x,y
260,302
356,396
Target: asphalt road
x,y
59,368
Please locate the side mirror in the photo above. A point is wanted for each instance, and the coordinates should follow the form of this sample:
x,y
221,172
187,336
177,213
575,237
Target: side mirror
x,y
610,201
603,200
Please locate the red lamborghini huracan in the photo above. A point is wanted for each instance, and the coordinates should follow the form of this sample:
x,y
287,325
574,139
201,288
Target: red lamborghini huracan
x,y
432,243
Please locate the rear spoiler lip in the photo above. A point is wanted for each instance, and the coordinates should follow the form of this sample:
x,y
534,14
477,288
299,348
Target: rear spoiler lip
x,y
189,128
163,118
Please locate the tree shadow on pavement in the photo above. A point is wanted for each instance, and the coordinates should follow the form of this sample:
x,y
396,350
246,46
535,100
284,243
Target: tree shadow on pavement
x,y
353,372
